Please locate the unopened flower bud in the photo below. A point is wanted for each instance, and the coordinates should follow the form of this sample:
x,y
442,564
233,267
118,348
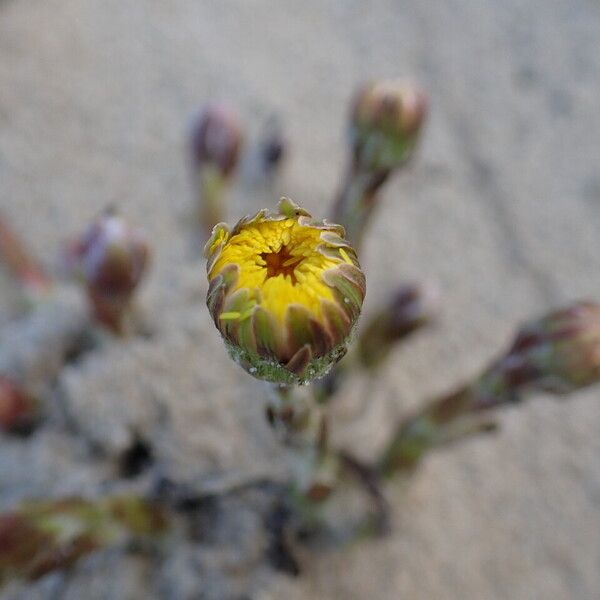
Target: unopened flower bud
x,y
216,138
385,124
18,409
216,141
386,120
111,259
558,353
273,149
410,307
285,292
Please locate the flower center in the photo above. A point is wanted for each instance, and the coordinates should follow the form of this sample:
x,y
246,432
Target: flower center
x,y
281,263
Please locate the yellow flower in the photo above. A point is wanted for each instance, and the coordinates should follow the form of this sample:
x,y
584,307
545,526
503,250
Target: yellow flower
x,y
285,293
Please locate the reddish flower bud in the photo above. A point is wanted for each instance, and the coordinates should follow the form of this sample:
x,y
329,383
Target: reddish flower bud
x,y
216,138
18,410
558,353
410,307
111,258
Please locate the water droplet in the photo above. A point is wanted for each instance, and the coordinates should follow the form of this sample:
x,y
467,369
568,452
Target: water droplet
x,y
347,300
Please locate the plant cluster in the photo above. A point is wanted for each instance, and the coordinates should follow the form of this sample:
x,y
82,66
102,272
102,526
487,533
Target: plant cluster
x,y
286,293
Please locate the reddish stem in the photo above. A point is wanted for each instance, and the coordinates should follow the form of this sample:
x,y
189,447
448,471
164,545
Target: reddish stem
x,y
21,264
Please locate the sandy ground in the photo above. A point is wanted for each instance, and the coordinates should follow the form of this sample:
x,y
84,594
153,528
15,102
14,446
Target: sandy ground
x,y
502,209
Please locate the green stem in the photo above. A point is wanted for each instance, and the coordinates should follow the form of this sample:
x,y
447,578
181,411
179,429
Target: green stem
x,y
211,198
356,202
440,422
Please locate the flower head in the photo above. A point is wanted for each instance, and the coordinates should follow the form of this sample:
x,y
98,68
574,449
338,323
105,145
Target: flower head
x,y
386,121
285,293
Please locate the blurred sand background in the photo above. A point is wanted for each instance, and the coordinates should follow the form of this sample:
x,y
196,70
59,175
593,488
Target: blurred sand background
x,y
502,208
